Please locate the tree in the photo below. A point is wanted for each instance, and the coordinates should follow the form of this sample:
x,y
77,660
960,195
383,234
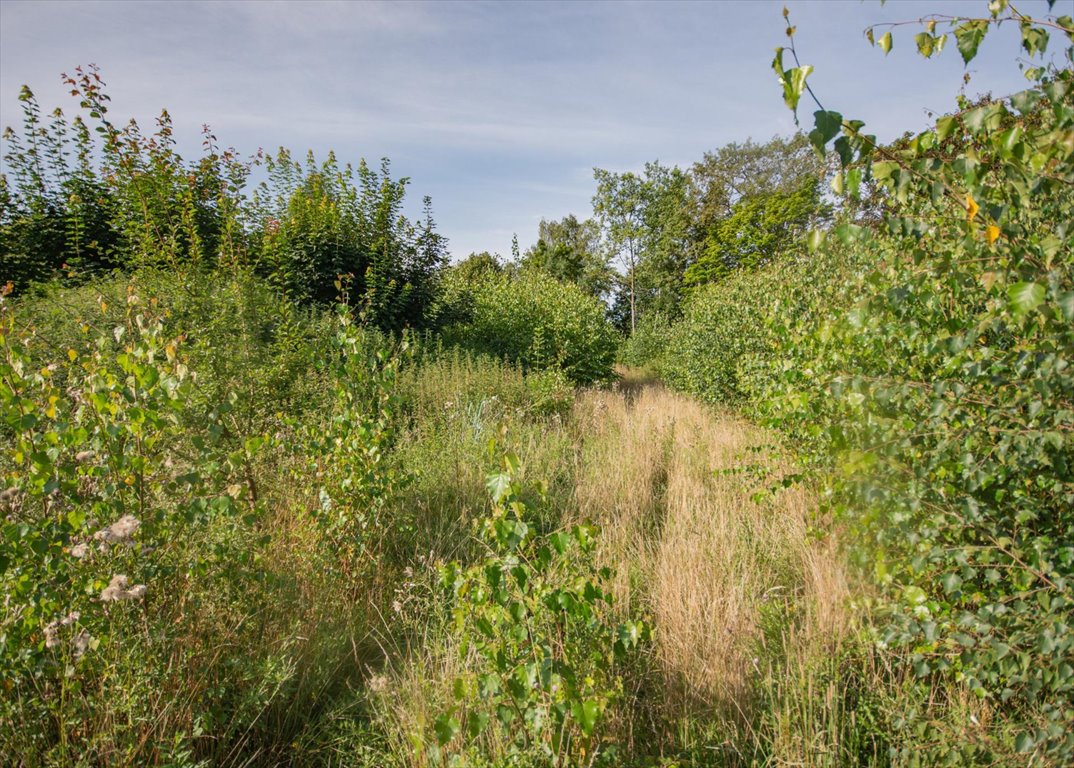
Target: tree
x,y
668,228
646,227
569,250
619,204
735,171
759,228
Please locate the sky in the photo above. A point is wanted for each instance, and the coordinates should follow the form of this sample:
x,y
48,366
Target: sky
x,y
498,111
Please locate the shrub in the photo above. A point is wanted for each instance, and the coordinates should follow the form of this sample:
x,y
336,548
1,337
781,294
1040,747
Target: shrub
x,y
646,347
534,320
923,369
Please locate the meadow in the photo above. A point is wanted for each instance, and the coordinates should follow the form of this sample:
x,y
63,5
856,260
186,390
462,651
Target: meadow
x,y
283,485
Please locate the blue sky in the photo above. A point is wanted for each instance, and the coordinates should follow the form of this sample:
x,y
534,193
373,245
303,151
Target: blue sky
x,y
499,111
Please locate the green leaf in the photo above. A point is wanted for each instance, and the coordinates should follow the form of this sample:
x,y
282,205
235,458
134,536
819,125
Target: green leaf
x,y
446,728
815,239
914,595
828,125
1024,742
794,82
885,43
476,722
1026,101
586,713
1025,297
969,37
950,582
945,126
926,44
1034,39
499,485
560,540
1066,305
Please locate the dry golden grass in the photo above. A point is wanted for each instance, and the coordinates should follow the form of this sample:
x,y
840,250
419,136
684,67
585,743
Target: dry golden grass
x,y
722,575
747,604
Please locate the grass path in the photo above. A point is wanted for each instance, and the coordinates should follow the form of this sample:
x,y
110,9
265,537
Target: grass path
x,y
749,603
738,587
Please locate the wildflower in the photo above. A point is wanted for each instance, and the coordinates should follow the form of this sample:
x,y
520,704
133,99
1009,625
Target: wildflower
x,y
378,683
52,629
121,530
117,590
397,606
81,642
83,456
79,551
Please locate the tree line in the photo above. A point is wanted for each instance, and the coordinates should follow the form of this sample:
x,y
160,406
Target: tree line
x,y
656,235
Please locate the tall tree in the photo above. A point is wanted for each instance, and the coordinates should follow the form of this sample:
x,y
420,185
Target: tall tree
x,y
646,227
759,228
668,231
570,250
736,171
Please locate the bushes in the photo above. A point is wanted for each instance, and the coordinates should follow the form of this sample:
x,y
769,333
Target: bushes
x,y
538,322
729,346
923,369
85,197
160,542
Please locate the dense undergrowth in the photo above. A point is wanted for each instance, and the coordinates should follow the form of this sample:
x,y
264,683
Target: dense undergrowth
x,y
311,543
921,366
280,488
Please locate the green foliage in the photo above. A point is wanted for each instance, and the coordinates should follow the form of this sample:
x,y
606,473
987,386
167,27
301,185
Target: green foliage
x,y
539,322
570,250
926,378
535,613
728,346
144,607
645,225
85,197
322,222
759,229
349,452
98,516
648,346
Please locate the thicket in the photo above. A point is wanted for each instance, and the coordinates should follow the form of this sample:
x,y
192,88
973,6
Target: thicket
x,y
533,319
922,363
85,196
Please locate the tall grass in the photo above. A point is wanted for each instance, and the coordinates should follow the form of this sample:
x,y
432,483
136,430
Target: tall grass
x,y
748,599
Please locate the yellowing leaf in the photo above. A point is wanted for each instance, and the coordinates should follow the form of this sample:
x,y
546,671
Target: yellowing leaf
x,y
971,207
72,355
991,233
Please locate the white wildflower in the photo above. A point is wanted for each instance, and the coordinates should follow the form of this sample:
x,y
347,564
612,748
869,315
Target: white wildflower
x,y
117,590
378,683
121,530
397,606
84,456
81,642
79,551
52,629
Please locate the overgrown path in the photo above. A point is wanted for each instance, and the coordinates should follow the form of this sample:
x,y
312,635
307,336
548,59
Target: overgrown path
x,y
727,567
